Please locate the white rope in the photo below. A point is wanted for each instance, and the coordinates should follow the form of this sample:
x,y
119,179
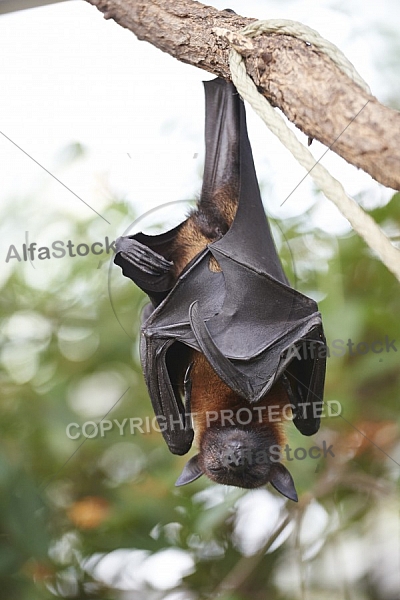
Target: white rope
x,y
361,222
305,33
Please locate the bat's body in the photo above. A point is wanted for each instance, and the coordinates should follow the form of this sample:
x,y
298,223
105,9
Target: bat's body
x,y
223,319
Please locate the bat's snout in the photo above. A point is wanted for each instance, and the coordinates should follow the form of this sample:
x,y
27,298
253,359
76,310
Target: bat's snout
x,y
237,456
236,452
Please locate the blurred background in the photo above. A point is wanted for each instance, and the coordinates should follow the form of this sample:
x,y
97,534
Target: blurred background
x,y
88,507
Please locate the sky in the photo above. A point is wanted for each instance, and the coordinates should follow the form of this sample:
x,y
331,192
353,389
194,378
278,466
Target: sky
x,y
69,76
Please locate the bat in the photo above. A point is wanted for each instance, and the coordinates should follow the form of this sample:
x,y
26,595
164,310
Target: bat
x,y
224,337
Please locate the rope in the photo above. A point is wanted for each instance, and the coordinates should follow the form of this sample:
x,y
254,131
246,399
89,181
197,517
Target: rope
x,y
361,222
305,33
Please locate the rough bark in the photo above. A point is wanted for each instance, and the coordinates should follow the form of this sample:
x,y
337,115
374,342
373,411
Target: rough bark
x,y
304,83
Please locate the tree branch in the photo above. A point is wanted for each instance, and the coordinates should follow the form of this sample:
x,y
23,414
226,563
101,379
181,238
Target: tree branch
x,y
303,82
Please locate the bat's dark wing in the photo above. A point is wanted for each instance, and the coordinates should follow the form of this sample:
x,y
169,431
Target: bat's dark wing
x,y
246,319
145,260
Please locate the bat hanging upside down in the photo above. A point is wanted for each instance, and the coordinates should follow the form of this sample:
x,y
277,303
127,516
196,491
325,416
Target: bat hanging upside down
x,y
220,338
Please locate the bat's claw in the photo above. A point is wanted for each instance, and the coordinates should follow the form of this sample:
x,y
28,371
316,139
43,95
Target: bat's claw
x,y
148,269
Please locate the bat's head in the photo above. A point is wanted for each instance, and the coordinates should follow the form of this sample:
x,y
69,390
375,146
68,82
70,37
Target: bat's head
x,y
246,458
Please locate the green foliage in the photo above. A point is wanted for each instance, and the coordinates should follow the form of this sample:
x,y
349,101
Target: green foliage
x,y
70,355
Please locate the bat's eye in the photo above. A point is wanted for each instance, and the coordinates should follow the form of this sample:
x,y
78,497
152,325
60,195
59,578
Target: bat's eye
x,y
215,470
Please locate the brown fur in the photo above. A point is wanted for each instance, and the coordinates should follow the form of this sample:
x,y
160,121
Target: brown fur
x,y
203,227
209,393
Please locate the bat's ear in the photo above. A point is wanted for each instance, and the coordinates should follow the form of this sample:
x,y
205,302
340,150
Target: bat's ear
x,y
191,471
282,481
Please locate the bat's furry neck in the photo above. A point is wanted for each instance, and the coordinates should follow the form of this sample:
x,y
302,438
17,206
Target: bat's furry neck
x,y
214,404
207,223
